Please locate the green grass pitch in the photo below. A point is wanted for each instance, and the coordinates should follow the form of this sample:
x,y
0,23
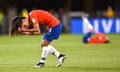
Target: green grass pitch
x,y
21,53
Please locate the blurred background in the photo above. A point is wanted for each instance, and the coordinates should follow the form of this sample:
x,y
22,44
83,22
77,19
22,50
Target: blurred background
x,y
103,14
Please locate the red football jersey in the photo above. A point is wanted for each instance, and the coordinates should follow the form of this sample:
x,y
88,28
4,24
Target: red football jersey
x,y
43,17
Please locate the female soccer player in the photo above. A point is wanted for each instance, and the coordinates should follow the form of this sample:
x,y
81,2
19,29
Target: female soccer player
x,y
54,28
98,38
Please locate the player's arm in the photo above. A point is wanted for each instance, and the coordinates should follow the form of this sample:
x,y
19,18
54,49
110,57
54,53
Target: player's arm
x,y
34,30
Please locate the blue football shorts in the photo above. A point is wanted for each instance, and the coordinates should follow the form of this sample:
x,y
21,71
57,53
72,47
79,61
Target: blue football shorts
x,y
53,33
86,37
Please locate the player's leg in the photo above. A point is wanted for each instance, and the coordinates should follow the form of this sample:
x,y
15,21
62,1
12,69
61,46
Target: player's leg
x,y
44,53
56,33
60,56
86,21
90,30
46,47
86,37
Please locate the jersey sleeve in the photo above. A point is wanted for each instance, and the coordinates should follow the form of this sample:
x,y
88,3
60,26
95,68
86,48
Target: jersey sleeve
x,y
33,19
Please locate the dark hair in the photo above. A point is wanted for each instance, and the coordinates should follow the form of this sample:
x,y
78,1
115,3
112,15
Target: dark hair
x,y
16,22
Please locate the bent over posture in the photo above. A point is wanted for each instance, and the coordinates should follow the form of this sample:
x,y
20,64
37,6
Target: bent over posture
x,y
54,28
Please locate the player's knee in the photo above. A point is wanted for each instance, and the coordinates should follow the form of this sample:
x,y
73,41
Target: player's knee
x,y
45,43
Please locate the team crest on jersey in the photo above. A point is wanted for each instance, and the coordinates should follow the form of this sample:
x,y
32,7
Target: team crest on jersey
x,y
33,20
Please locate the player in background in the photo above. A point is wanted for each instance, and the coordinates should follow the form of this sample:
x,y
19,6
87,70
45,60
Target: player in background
x,y
99,36
54,28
